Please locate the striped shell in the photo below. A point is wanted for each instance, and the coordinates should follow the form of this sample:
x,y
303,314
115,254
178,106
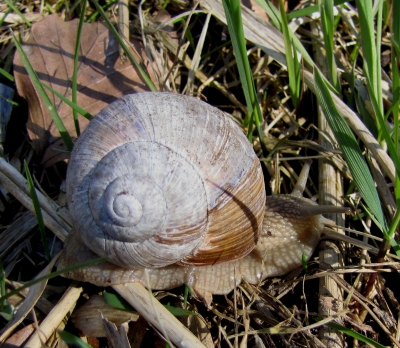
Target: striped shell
x,y
160,178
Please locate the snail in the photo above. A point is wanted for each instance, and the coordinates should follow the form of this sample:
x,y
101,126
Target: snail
x,y
169,189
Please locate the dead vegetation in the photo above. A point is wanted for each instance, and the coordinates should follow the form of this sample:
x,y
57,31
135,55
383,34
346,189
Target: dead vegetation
x,y
349,282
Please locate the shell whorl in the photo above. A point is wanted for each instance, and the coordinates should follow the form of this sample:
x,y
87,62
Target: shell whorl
x,y
160,178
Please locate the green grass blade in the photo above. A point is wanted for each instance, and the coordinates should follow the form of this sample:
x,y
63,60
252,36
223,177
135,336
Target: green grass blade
x,y
371,54
396,83
378,46
128,53
359,100
18,12
387,137
7,75
367,38
350,149
2,284
328,28
74,86
293,66
394,225
276,20
372,71
72,340
104,8
9,10
186,294
309,10
356,335
117,301
75,107
36,82
304,262
38,211
235,26
178,312
6,310
396,22
188,34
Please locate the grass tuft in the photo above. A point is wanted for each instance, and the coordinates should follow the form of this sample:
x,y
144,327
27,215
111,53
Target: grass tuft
x,y
235,26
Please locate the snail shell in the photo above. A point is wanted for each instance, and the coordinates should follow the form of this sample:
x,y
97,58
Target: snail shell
x,y
160,178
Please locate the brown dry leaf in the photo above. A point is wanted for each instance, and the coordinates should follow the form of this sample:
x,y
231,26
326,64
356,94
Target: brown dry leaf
x,y
116,338
89,322
198,325
256,8
102,77
17,231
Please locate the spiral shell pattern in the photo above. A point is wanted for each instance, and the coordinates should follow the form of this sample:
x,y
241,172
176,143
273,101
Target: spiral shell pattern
x,y
161,178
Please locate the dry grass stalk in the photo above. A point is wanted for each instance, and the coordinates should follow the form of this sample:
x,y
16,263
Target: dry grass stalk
x,y
156,314
123,23
330,192
88,317
61,311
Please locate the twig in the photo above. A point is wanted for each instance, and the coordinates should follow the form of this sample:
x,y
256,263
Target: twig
x,y
54,318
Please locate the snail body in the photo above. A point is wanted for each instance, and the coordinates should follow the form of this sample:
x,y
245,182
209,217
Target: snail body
x,y
279,250
170,190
